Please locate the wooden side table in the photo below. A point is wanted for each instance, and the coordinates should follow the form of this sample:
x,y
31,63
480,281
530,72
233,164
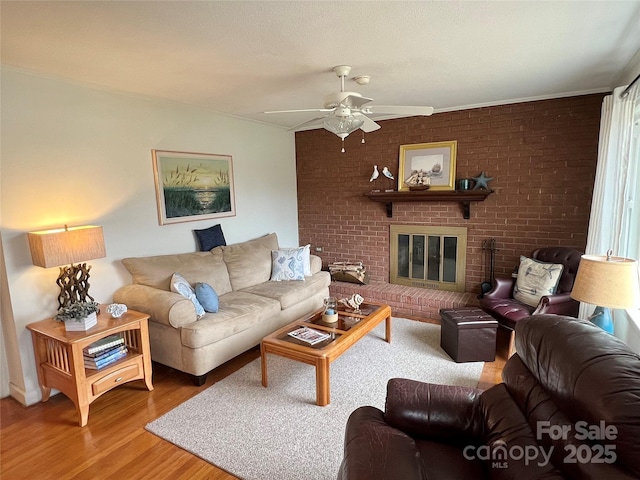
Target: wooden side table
x,y
60,363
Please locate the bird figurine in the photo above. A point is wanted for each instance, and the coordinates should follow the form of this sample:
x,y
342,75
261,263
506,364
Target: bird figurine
x,y
481,182
374,178
375,173
389,175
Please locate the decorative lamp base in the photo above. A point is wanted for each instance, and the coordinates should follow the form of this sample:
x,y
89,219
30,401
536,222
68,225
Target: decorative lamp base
x,y
603,319
74,284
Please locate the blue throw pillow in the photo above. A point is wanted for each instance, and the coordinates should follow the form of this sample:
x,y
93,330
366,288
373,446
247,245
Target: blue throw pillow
x,y
207,297
210,238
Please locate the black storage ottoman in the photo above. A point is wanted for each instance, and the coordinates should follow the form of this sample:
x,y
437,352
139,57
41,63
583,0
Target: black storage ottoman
x,y
468,334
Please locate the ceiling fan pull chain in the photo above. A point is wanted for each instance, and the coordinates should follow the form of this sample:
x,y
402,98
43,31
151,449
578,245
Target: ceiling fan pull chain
x,y
362,137
342,145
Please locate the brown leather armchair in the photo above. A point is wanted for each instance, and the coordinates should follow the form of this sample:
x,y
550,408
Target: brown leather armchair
x,y
570,394
500,304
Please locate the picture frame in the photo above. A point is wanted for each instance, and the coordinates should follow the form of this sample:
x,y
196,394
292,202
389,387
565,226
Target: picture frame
x,y
436,160
193,186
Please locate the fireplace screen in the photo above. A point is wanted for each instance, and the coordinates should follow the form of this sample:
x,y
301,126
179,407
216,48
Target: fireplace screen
x,y
428,257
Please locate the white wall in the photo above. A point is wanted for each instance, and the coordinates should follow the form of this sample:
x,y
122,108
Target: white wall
x,y
78,155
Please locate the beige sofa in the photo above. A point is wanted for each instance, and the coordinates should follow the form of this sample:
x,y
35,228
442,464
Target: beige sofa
x,y
251,306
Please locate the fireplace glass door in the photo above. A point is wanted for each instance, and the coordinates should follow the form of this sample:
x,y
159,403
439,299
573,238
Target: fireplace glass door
x,y
430,257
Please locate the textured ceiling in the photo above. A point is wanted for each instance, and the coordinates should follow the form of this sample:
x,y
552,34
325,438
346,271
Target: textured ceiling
x,y
243,58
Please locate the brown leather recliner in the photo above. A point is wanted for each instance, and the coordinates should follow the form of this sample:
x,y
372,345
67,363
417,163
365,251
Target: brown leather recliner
x,y
569,407
500,304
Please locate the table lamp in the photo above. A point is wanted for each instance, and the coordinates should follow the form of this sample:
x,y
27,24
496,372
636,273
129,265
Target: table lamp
x,y
608,282
62,248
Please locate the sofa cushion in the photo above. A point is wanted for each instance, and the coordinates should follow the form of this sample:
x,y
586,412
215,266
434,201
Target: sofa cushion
x,y
535,280
507,430
238,311
288,264
249,263
291,293
206,267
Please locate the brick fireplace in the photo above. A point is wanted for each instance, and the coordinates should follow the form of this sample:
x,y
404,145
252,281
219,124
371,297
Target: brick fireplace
x,y
542,157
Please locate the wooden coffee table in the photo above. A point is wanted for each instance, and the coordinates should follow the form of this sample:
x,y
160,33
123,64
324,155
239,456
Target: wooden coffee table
x,y
349,328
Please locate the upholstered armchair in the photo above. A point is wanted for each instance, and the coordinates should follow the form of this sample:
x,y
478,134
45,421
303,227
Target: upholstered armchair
x,y
504,302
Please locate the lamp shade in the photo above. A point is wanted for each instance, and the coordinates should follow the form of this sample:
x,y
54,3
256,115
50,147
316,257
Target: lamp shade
x,y
607,281
64,246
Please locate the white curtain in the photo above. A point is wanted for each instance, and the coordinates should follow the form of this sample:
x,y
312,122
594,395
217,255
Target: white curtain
x,y
615,210
615,183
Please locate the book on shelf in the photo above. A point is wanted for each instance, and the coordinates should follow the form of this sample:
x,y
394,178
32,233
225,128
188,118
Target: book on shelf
x,y
104,344
98,364
309,335
104,353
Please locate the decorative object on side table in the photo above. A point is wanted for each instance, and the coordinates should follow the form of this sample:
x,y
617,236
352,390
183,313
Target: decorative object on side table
x,y
78,316
608,282
432,164
117,309
481,182
62,248
330,314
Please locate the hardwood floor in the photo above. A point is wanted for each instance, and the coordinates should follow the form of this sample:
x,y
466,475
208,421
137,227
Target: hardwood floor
x,y
44,441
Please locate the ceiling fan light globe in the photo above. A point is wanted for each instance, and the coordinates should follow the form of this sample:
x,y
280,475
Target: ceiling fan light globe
x,y
342,126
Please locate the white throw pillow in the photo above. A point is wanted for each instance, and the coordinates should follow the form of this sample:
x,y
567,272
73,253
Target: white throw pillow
x,y
180,285
289,263
535,280
306,259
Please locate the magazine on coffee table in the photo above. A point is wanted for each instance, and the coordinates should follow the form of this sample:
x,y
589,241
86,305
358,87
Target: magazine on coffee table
x,y
309,335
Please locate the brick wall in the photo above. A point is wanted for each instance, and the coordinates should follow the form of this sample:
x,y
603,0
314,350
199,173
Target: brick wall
x,y
542,156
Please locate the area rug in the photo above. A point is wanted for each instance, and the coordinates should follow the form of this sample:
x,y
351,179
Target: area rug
x,y
278,432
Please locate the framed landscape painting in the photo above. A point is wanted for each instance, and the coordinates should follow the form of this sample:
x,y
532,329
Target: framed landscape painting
x,y
193,186
432,164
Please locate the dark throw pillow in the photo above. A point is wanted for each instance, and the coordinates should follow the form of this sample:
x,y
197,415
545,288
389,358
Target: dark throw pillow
x,y
210,238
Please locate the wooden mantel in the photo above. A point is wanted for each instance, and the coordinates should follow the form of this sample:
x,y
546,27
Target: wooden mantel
x,y
464,198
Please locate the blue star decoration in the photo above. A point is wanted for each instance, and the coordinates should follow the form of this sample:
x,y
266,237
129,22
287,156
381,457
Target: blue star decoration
x,y
481,181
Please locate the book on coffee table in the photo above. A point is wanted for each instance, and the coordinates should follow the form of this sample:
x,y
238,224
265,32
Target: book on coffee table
x,y
309,335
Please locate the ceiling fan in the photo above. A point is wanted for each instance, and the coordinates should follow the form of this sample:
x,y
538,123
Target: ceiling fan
x,y
346,111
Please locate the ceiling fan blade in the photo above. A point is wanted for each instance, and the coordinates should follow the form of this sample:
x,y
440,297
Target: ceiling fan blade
x,y
399,110
368,125
303,110
355,101
313,122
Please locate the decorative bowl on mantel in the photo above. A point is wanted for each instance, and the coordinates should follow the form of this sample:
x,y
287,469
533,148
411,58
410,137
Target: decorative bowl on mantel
x,y
418,188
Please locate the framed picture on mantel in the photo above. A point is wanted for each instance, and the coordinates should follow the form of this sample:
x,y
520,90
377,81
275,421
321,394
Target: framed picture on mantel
x,y
432,164
193,186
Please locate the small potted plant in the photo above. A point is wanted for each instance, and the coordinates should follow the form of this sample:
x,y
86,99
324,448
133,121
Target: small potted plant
x,y
78,316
